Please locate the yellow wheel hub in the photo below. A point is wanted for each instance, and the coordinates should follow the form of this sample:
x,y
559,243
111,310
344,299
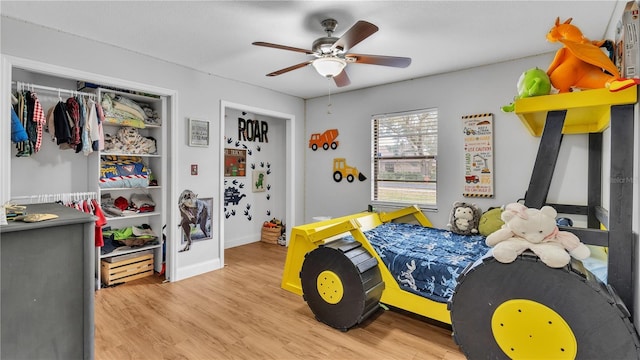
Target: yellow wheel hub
x,y
330,287
525,329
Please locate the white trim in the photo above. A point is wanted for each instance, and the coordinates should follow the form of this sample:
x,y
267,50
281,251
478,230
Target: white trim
x,y
8,62
248,239
290,210
5,128
198,269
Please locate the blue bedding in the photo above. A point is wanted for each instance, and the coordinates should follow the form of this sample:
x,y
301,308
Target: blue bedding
x,y
425,261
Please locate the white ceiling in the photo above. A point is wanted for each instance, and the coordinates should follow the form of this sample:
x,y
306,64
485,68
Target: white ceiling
x,y
215,36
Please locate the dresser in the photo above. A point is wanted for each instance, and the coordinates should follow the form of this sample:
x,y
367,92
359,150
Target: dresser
x,y
47,286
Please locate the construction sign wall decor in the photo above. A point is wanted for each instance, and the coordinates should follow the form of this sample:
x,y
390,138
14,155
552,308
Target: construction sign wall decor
x,y
478,155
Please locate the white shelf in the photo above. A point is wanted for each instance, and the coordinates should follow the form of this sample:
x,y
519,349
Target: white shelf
x,y
128,154
115,124
130,188
156,163
128,250
140,215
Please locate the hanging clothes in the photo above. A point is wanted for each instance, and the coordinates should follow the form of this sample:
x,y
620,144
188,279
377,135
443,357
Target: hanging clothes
x,y
74,113
39,120
100,114
101,220
18,134
23,147
62,125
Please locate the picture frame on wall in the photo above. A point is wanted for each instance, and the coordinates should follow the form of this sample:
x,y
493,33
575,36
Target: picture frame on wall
x,y
200,229
198,133
235,162
259,181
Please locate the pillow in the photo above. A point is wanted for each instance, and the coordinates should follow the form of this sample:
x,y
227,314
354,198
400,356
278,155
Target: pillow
x,y
490,221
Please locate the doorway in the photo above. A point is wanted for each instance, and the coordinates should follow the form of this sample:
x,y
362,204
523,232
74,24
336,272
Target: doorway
x,y
255,133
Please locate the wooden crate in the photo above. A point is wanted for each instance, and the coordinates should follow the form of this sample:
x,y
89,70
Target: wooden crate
x,y
126,270
271,235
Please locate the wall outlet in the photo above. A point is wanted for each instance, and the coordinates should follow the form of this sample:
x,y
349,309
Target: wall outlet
x,y
194,169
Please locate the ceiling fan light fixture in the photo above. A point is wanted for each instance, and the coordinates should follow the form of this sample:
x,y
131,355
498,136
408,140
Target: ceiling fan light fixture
x,y
329,66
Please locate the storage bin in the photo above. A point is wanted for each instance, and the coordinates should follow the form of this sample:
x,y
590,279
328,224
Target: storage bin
x,y
271,235
126,270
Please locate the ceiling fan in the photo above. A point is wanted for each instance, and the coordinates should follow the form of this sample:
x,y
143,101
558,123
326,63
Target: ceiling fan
x,y
331,56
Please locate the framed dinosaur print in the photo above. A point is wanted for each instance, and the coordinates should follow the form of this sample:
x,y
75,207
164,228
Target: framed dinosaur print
x,y
259,181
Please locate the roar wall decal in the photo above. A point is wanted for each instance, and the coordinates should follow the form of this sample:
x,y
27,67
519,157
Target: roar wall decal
x,y
252,130
251,140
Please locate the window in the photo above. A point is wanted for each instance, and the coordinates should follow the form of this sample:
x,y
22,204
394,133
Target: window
x,y
404,158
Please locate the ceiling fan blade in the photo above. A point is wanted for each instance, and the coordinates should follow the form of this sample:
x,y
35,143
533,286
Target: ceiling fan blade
x,y
342,79
282,47
395,61
358,32
290,68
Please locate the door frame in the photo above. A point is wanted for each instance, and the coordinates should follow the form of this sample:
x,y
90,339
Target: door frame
x,y
290,210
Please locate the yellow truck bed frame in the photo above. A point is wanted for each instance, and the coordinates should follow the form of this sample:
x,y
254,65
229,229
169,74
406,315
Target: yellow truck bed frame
x,y
305,238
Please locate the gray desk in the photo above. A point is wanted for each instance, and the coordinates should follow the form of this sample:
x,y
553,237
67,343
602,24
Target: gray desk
x,y
47,286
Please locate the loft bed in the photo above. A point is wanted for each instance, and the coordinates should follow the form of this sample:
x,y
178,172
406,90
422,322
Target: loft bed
x,y
567,313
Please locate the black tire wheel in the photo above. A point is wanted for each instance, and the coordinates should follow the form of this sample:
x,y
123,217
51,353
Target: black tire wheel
x,y
527,310
350,178
341,283
314,147
325,146
337,176
334,145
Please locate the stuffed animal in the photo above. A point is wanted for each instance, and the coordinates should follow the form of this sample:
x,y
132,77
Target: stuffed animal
x,y
580,62
528,228
464,218
490,221
533,82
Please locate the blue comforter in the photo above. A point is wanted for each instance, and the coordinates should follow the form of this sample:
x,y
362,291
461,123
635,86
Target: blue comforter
x,y
425,261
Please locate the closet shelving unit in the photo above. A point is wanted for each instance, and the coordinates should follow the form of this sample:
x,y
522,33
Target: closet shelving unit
x,y
156,163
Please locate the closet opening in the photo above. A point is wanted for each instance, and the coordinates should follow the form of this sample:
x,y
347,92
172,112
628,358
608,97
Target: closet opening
x,y
79,166
260,142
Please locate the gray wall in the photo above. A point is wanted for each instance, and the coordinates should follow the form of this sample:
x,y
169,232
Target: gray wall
x,y
199,97
473,91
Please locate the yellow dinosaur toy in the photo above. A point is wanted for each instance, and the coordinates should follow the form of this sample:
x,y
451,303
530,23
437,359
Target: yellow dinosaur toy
x,y
579,63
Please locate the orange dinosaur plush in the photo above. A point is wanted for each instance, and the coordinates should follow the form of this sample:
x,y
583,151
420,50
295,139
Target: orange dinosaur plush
x,y
579,63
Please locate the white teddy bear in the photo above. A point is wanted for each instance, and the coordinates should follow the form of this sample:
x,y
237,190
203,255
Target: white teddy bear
x,y
528,228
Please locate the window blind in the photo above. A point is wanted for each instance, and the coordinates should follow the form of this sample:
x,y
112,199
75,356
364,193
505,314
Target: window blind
x,y
404,157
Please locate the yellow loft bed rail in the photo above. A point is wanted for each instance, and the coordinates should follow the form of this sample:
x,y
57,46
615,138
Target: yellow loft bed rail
x,y
306,238
587,111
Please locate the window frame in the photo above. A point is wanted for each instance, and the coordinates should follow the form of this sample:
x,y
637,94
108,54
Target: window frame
x,y
429,153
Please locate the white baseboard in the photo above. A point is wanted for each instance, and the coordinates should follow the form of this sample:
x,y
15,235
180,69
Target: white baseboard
x,y
197,269
229,243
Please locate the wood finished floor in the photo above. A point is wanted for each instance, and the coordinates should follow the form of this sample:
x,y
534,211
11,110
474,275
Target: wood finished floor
x,y
240,312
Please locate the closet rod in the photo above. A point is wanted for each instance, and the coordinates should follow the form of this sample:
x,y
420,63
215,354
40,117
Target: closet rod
x,y
49,88
47,198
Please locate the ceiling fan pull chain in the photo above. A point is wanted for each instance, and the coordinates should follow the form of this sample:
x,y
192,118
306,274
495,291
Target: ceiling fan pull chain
x,y
329,103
